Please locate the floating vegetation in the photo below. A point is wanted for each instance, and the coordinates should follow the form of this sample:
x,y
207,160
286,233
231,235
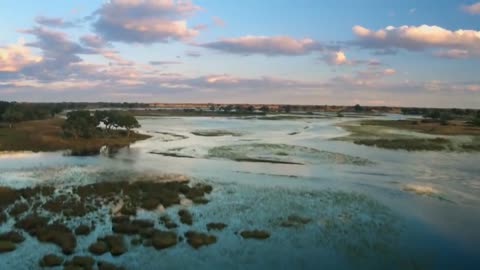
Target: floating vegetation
x,y
421,189
216,226
425,190
295,221
171,154
215,133
283,154
168,136
351,225
198,239
358,226
59,215
255,234
262,160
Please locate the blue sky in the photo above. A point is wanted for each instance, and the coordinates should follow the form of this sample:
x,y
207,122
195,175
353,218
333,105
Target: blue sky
x,y
372,52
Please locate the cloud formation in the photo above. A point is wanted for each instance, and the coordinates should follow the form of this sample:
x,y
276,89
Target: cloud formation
x,y
336,58
193,54
452,53
144,21
93,41
416,38
218,21
164,63
473,9
369,77
14,57
266,45
56,46
54,22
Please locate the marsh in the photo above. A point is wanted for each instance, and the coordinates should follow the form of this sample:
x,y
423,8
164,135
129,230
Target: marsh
x,y
321,203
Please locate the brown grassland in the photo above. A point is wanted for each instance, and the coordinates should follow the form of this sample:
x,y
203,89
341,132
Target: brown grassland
x,y
47,135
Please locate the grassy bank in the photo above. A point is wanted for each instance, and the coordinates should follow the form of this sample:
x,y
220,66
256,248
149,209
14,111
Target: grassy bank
x,y
414,135
454,127
47,135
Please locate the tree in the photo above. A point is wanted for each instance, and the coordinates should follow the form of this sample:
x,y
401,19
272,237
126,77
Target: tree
x,y
444,118
80,124
3,107
55,109
265,108
475,120
228,108
127,121
108,118
358,108
435,114
12,115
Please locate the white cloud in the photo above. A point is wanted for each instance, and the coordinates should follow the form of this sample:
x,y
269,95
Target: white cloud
x,y
417,38
336,58
145,21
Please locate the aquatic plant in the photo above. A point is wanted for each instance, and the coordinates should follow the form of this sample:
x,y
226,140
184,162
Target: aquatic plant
x,y
282,153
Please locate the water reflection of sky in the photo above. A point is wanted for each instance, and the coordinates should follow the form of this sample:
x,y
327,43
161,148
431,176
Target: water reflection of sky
x,y
443,224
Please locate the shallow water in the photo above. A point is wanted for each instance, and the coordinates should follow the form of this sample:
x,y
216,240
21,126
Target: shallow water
x,y
404,210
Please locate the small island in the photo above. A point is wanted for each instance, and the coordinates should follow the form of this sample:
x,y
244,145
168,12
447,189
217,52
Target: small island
x,y
436,131
38,127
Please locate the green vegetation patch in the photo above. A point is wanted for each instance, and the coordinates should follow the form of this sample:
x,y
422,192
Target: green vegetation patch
x,y
215,133
282,153
409,144
53,213
414,135
454,127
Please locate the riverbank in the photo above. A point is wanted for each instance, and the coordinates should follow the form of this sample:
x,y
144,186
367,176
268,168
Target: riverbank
x,y
414,135
454,127
47,135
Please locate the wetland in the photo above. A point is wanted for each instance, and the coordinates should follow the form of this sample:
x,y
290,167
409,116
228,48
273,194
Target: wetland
x,y
196,193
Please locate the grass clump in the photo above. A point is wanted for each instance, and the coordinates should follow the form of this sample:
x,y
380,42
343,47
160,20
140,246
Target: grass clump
x,y
409,144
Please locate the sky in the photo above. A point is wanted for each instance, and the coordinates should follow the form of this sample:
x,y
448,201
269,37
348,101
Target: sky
x,y
339,52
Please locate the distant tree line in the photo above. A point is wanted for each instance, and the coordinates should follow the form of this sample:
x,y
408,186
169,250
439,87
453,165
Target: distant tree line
x,y
15,112
12,112
86,124
445,115
428,112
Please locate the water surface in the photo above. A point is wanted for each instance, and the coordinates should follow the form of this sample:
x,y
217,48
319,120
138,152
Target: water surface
x,y
405,210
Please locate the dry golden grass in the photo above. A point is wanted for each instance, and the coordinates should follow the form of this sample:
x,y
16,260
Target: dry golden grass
x,y
47,135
